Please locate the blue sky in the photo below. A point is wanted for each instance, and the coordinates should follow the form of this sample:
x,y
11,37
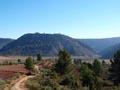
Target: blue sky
x,y
76,18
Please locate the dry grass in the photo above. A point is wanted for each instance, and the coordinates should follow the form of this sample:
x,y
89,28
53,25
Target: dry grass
x,y
12,58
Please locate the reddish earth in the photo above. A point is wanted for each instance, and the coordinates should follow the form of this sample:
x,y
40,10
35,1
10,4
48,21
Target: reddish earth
x,y
5,75
11,70
19,84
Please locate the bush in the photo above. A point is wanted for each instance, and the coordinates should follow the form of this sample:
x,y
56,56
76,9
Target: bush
x,y
2,84
108,83
71,81
29,64
32,84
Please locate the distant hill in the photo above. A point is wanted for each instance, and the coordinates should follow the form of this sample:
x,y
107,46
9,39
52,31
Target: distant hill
x,y
98,45
47,44
4,41
109,52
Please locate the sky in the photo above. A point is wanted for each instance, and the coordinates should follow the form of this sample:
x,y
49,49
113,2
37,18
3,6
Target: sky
x,y
75,18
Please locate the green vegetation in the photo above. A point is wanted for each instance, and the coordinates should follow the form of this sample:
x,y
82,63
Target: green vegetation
x,y
4,41
47,44
19,61
64,65
29,63
39,57
115,68
104,47
109,51
52,79
77,75
2,84
65,74
8,63
87,76
97,68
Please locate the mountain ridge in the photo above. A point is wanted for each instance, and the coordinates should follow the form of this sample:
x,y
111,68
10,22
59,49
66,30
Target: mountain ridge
x,y
108,53
5,41
106,47
47,44
100,44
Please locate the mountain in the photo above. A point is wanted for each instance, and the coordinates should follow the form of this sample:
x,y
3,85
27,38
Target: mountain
x,y
99,45
4,41
47,44
109,52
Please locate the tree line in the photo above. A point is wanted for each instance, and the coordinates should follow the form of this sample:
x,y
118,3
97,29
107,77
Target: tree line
x,y
77,75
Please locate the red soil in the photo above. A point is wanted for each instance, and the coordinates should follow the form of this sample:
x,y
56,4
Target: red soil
x,y
6,75
11,70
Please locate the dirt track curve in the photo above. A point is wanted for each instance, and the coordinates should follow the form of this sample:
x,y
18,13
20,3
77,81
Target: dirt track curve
x,y
20,85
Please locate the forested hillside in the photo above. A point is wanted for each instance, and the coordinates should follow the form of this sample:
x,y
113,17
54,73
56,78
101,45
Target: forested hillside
x,y
108,53
47,44
99,45
4,41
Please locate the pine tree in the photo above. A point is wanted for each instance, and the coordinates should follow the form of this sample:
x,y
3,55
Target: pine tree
x,y
87,76
97,67
29,64
39,57
64,64
115,68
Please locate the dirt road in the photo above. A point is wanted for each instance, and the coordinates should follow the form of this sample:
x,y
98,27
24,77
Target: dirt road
x,y
37,69
20,85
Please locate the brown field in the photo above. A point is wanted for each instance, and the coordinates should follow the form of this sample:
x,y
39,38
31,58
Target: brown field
x,y
12,58
23,58
5,75
11,70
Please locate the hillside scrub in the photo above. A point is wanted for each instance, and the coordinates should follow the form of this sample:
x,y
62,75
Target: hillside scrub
x,y
2,84
77,75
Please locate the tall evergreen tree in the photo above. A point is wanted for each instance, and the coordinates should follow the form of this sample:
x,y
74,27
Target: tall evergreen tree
x,y
97,67
115,68
87,76
39,57
29,63
64,64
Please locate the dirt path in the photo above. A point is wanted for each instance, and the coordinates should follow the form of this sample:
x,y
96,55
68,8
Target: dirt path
x,y
20,85
37,69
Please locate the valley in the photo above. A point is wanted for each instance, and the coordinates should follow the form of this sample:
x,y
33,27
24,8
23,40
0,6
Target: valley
x,y
59,44
35,57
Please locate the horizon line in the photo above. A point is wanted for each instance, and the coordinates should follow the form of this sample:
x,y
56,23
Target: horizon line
x,y
62,34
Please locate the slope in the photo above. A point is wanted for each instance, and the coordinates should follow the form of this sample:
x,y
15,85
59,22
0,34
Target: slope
x,y
109,52
98,45
47,44
4,41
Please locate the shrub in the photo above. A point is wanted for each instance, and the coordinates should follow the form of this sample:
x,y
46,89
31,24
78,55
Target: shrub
x,y
2,84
